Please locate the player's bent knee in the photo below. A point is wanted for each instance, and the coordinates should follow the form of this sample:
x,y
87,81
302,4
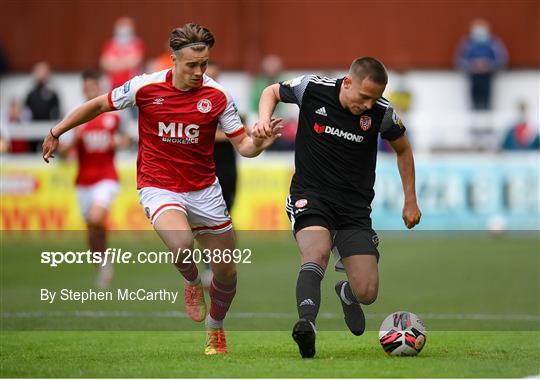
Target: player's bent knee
x,y
365,294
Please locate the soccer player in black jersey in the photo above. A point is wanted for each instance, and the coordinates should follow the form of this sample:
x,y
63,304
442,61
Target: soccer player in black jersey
x,y
331,191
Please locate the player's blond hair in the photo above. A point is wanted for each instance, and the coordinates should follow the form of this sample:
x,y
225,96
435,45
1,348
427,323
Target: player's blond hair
x,y
191,35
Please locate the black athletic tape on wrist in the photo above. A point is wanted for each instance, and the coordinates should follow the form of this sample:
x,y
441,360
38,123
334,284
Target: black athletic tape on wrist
x,y
52,134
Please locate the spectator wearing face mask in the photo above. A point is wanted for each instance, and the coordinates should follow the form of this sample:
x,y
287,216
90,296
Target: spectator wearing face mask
x,y
480,55
122,56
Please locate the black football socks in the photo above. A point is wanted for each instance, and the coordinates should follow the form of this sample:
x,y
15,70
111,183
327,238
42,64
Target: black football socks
x,y
308,291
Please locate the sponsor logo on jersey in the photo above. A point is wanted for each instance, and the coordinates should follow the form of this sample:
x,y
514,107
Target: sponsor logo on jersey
x,y
177,133
158,101
301,203
397,121
318,128
97,141
321,111
337,132
365,123
204,106
293,82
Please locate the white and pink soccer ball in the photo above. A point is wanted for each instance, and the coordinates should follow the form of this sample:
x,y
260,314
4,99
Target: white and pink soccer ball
x,y
402,334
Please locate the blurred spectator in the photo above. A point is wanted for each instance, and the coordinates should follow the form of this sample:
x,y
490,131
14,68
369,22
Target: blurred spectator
x,y
122,56
481,55
162,61
521,136
16,114
271,67
271,70
42,100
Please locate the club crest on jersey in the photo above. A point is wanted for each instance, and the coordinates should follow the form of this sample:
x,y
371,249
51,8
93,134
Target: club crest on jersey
x,y
204,106
365,123
301,203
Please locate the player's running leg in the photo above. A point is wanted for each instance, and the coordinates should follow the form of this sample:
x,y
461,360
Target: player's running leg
x,y
97,240
361,288
314,243
173,228
222,288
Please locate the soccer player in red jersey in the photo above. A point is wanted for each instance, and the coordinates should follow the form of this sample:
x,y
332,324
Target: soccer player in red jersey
x,y
179,111
95,143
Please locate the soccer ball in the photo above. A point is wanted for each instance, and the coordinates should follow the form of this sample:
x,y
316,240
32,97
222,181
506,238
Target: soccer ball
x,y
402,334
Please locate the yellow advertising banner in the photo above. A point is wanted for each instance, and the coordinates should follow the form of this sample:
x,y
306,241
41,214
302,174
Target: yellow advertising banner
x,y
36,196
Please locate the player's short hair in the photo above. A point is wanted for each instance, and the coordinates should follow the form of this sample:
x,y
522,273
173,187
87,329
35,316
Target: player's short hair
x,y
195,36
91,75
371,68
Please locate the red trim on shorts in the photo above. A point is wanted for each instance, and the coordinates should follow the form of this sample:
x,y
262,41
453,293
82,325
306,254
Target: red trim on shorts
x,y
109,100
218,227
237,133
166,205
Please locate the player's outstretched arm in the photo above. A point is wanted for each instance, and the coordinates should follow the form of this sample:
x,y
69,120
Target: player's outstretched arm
x,y
405,161
267,104
80,115
248,145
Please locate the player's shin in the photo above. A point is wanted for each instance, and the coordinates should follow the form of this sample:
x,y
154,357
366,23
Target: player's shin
x,y
222,292
97,236
189,271
308,290
221,296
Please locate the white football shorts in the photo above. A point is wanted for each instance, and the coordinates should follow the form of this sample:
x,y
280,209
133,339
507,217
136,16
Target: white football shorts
x,y
101,193
205,209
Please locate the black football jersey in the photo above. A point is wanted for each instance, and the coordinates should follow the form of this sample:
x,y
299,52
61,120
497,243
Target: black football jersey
x,y
336,151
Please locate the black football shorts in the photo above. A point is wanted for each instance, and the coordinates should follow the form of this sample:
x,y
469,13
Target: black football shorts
x,y
350,235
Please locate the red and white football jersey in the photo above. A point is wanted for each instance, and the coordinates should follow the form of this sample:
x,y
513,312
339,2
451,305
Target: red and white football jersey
x,y
177,129
95,149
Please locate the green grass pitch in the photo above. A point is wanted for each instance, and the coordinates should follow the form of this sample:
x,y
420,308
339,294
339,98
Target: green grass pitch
x,y
478,295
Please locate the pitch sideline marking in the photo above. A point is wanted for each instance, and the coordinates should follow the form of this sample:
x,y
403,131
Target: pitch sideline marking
x,y
247,315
